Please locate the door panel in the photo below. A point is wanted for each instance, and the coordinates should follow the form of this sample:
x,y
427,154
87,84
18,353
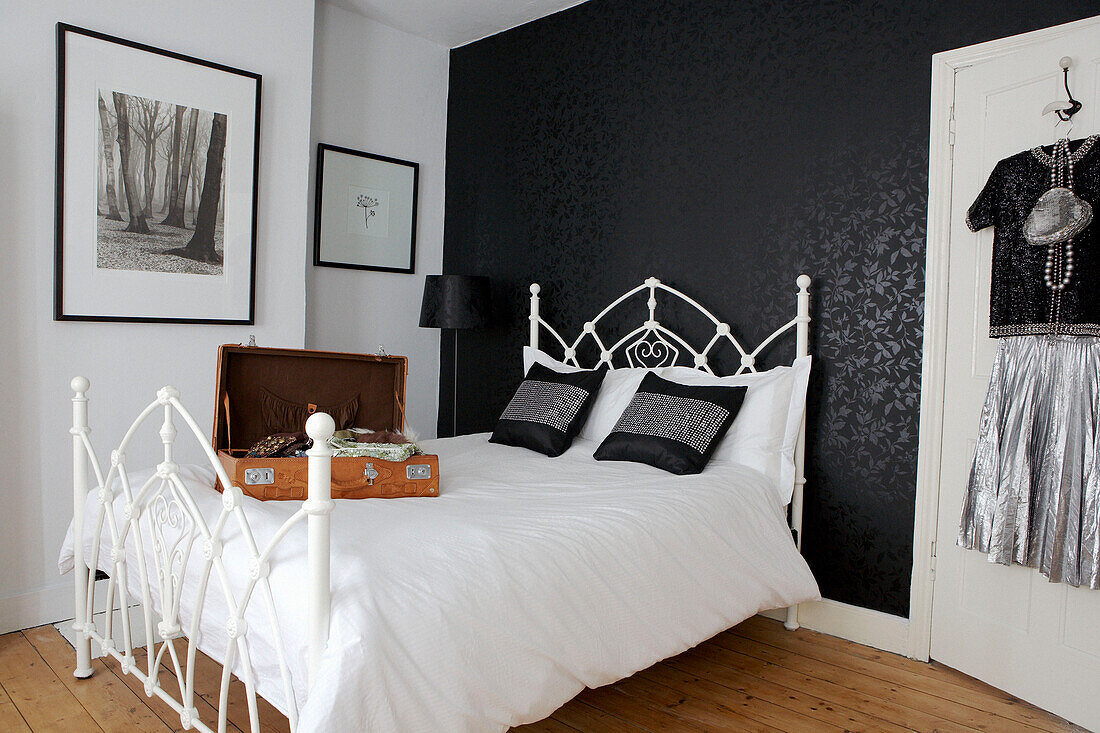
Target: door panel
x,y
1008,626
1011,588
1079,631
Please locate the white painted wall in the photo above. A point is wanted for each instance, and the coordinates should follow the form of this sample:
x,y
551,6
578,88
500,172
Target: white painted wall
x,y
382,91
126,362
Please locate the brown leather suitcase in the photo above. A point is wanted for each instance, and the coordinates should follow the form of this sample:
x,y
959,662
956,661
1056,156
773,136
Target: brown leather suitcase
x,y
261,391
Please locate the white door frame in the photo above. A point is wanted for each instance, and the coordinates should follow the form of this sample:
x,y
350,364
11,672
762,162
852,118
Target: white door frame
x,y
934,352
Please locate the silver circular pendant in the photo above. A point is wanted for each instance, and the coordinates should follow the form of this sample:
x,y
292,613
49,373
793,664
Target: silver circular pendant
x,y
1059,215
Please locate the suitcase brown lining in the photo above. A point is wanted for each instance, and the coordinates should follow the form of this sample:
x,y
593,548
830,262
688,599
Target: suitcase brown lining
x,y
306,377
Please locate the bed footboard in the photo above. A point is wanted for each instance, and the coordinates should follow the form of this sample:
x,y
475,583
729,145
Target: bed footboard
x,y
156,533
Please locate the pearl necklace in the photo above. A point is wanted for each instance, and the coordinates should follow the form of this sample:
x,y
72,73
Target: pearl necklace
x,y
1058,270
1081,152
1061,174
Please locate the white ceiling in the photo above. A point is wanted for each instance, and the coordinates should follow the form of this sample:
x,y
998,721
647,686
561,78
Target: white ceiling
x,y
454,23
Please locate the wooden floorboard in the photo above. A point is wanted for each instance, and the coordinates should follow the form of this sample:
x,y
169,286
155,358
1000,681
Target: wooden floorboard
x,y
826,689
945,682
113,705
754,677
823,713
583,717
916,698
549,725
10,718
41,698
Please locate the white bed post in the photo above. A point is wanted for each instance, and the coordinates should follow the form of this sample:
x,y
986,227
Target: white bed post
x,y
802,348
534,317
318,506
80,494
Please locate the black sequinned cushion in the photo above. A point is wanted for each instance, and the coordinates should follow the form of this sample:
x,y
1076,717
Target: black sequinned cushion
x,y
672,426
548,409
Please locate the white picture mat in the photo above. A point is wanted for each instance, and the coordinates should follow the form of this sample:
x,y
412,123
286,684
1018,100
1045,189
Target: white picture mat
x,y
92,64
343,173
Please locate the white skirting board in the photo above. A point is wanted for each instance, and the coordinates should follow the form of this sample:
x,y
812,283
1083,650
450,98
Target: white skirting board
x,y
861,625
137,629
54,605
34,608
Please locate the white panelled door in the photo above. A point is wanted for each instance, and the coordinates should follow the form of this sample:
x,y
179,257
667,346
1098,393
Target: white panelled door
x,y
1008,626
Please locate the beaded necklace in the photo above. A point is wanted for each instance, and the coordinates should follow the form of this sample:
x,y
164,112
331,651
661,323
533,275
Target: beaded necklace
x,y
1058,270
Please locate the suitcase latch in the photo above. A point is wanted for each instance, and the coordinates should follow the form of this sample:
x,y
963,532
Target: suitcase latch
x,y
371,473
418,470
259,476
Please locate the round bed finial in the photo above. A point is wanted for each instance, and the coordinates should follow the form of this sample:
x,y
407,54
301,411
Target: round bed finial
x,y
803,281
320,426
80,384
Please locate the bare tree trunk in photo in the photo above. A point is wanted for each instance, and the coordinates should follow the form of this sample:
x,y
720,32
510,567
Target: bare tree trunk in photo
x,y
194,199
201,246
108,157
149,125
137,223
186,164
118,177
151,180
191,198
172,176
164,194
148,117
164,150
99,194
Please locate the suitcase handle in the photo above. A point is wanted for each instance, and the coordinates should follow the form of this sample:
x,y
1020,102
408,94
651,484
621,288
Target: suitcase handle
x,y
370,475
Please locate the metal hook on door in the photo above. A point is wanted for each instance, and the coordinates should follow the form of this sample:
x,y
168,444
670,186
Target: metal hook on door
x,y
1064,110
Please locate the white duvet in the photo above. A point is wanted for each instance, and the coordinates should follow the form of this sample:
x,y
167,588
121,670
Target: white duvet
x,y
526,580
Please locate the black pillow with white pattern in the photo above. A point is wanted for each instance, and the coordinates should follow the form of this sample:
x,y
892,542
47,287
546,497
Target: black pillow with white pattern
x,y
672,426
548,409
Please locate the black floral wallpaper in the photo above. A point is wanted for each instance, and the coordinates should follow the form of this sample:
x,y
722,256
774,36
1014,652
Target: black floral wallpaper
x,y
724,148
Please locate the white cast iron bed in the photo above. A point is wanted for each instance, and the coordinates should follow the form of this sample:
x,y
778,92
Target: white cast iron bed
x,y
526,580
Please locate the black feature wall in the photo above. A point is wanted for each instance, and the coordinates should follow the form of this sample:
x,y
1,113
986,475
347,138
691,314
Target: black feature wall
x,y
725,148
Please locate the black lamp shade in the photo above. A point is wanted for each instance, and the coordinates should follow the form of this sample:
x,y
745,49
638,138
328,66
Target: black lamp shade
x,y
455,301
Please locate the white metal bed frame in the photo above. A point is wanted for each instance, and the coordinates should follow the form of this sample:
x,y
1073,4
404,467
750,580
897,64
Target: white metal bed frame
x,y
163,512
653,345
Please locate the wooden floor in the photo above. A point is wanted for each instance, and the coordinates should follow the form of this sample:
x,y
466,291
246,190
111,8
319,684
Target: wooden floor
x,y
755,677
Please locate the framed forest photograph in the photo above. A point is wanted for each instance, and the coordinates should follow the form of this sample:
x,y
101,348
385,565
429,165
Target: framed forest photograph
x,y
157,170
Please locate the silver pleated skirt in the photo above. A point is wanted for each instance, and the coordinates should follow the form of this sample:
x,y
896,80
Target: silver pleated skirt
x,y
1034,492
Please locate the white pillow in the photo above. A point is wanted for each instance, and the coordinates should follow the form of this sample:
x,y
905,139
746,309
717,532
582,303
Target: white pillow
x,y
532,355
765,432
619,386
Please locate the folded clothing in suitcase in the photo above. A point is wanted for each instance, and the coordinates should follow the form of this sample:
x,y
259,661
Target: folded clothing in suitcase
x,y
263,391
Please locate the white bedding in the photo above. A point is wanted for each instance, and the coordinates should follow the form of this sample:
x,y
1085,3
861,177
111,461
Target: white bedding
x,y
526,580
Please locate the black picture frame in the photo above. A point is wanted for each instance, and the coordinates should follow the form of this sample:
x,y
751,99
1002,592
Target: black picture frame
x,y
319,206
60,313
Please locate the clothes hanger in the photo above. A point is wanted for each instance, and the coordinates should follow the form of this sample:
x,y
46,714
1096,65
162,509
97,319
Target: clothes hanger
x,y
1064,109
1059,122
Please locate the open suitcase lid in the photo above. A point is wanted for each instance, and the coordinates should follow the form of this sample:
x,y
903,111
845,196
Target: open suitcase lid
x,y
263,391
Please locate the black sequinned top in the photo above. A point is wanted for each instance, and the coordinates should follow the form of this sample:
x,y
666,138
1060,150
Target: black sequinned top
x,y
1020,302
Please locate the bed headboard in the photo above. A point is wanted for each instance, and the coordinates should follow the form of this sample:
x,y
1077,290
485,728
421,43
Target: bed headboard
x,y
654,345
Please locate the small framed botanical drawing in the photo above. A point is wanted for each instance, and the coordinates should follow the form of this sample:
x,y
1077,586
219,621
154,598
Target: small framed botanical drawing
x,y
156,184
366,211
